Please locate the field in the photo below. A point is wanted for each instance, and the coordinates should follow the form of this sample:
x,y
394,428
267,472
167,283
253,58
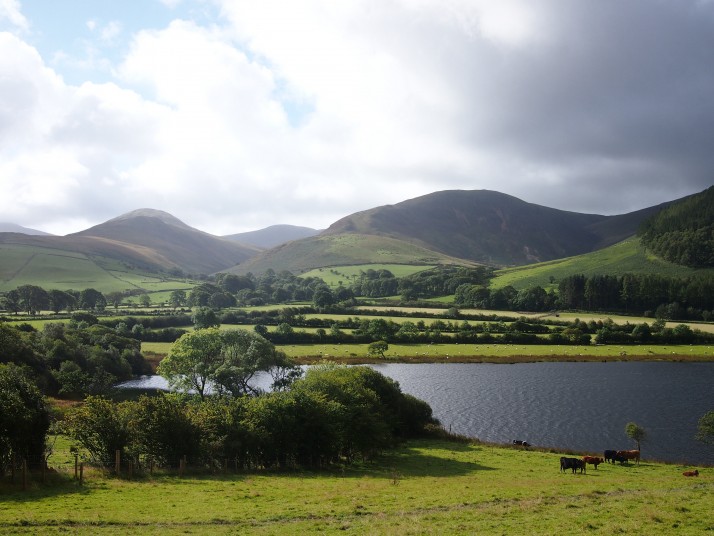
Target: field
x,y
627,256
422,487
347,274
56,269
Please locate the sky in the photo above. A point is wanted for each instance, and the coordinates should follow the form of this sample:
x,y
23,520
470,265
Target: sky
x,y
234,115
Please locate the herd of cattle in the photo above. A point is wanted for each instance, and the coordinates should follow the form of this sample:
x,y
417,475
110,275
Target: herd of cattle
x,y
611,456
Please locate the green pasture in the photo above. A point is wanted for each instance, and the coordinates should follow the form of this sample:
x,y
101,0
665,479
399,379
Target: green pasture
x,y
56,269
422,487
482,352
628,256
346,275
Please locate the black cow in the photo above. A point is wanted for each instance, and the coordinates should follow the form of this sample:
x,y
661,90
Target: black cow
x,y
521,443
610,456
572,463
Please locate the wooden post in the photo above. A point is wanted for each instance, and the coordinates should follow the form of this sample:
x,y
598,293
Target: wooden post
x,y
44,469
76,466
151,467
81,473
24,474
12,469
117,462
131,469
225,465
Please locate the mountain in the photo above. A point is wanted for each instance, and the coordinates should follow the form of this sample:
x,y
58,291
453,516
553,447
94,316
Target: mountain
x,y
6,227
173,243
273,236
479,226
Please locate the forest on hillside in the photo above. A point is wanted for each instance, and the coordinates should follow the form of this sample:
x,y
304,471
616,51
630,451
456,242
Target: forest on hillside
x,y
683,233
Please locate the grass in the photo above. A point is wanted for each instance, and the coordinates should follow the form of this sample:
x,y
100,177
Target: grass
x,y
422,487
62,270
347,274
495,353
628,256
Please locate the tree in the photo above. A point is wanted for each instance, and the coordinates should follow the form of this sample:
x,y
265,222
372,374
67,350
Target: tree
x,y
100,426
177,298
11,301
60,300
193,360
378,348
705,428
224,360
246,353
636,433
115,298
205,317
24,416
145,300
92,299
33,298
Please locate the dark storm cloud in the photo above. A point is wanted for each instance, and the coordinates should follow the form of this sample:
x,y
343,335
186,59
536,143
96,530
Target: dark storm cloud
x,y
614,97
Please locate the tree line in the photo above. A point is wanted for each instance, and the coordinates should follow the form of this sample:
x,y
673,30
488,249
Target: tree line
x,y
74,359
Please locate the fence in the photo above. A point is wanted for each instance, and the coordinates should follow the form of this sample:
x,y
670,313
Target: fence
x,y
26,473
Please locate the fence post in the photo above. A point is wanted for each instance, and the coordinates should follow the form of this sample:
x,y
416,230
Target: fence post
x,y
12,468
225,465
81,473
117,462
131,469
24,474
76,466
44,469
151,467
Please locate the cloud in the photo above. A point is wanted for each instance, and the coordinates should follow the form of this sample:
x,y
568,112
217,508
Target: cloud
x,y
10,11
287,112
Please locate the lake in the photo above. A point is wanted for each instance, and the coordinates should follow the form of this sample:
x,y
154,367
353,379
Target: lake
x,y
580,406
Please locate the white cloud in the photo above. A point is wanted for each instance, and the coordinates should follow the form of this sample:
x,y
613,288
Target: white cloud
x,y
11,12
555,103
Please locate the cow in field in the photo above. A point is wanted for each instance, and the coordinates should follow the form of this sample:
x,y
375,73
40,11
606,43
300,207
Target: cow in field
x,y
521,443
572,463
626,455
593,460
691,473
610,456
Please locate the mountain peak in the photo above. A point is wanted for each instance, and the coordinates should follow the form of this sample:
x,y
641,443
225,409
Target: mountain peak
x,y
165,217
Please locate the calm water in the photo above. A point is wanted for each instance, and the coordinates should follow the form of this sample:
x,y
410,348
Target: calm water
x,y
582,406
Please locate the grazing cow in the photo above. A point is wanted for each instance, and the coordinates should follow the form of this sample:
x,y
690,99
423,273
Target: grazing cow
x,y
593,460
610,455
691,473
572,463
626,455
521,443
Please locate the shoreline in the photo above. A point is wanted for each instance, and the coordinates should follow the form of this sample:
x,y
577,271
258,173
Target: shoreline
x,y
496,359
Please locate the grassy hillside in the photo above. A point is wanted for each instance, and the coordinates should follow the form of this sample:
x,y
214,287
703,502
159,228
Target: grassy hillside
x,y
347,274
339,250
52,268
423,487
628,256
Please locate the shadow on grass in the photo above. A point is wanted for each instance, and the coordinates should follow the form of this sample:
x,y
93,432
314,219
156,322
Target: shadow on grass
x,y
54,486
449,458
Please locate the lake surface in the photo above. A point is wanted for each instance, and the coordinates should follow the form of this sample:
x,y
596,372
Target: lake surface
x,y
581,406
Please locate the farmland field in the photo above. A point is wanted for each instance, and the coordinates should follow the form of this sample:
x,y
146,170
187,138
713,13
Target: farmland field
x,y
347,274
423,487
